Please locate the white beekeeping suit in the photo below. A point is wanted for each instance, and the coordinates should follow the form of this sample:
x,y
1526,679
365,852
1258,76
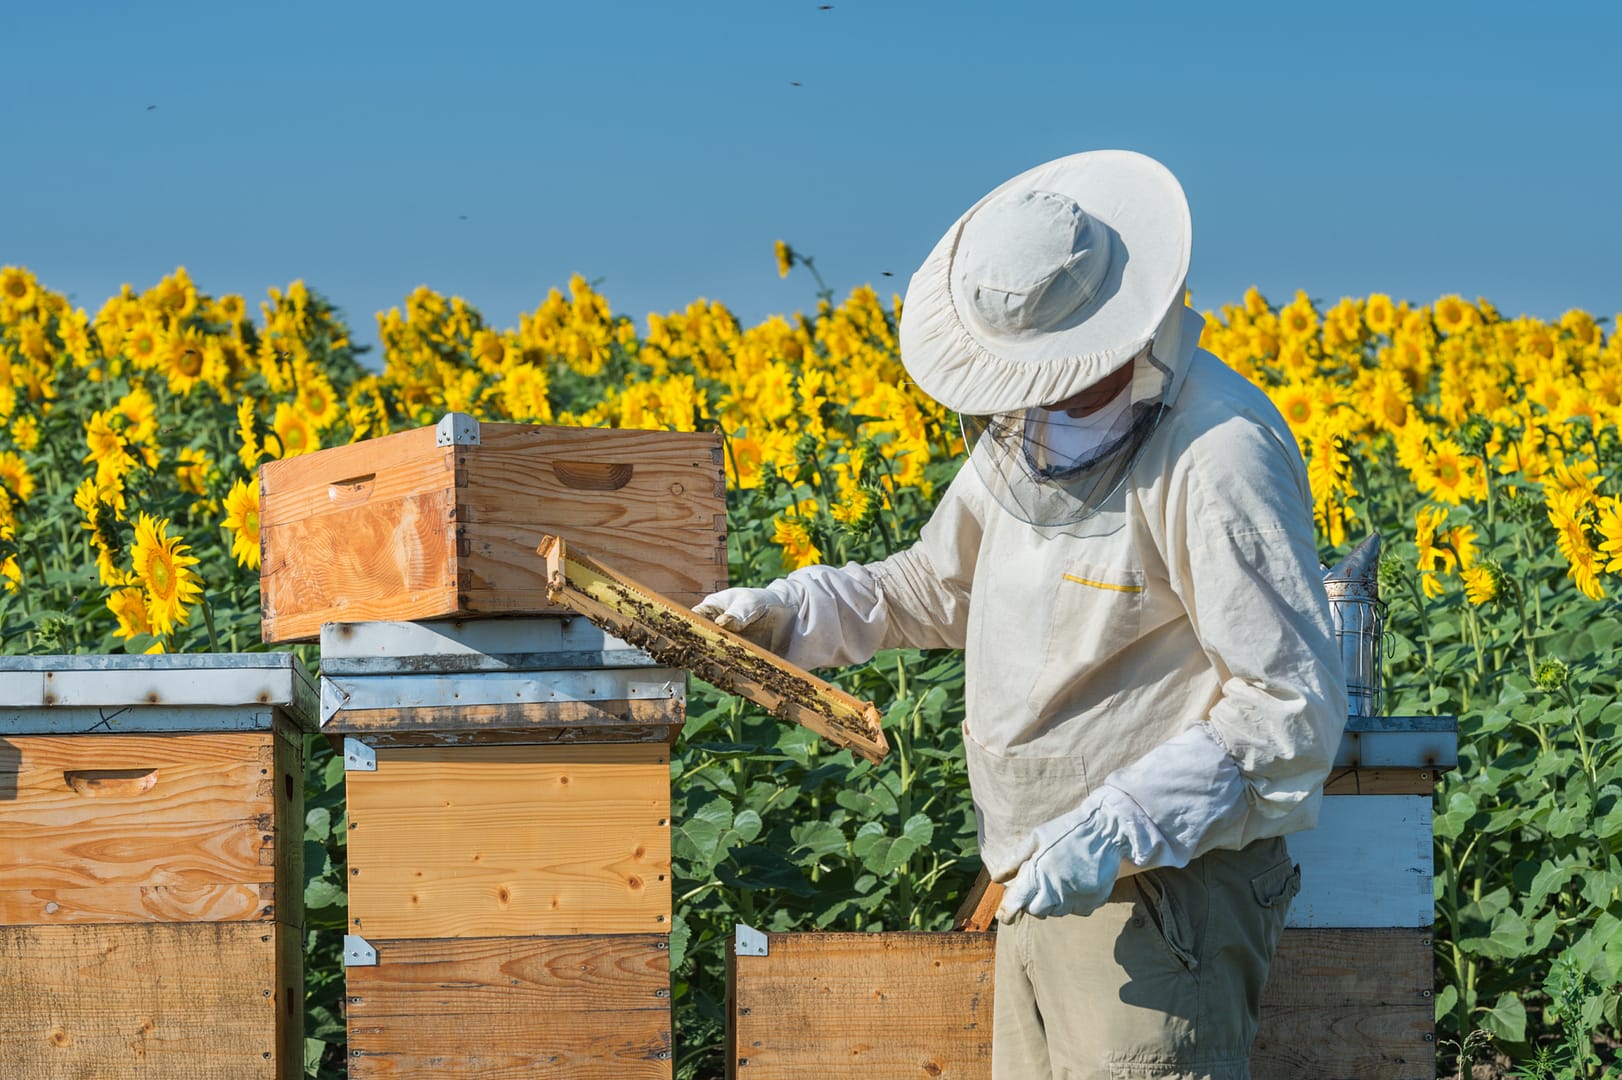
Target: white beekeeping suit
x,y
1129,563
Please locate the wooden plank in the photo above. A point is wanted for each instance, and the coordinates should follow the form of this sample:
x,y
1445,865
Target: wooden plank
x,y
482,841
196,1000
340,478
132,903
1348,1005
376,561
287,826
572,1007
675,636
890,1005
137,826
1339,1004
289,945
542,715
979,908
1381,782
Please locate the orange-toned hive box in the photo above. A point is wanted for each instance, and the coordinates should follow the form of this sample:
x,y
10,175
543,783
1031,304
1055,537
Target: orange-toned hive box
x,y
151,849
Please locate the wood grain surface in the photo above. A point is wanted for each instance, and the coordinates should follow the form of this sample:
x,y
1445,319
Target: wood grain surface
x,y
483,841
895,1005
1350,1004
579,1008
399,528
1381,781
198,1000
197,842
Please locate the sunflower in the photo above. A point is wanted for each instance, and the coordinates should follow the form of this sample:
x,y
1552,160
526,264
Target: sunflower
x,y
1434,558
318,402
1609,527
294,432
18,289
143,344
1483,582
182,361
242,519
129,606
108,449
1453,314
1379,314
1298,318
15,480
163,568
1446,473
25,432
794,538
785,258
1571,512
191,472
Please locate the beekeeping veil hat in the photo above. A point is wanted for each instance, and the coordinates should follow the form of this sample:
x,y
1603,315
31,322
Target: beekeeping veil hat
x,y
1047,285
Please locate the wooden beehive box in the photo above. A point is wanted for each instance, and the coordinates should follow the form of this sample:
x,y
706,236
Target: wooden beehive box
x,y
508,787
444,521
1349,995
151,879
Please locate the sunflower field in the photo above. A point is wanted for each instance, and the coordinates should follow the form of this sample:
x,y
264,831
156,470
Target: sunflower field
x,y
1485,450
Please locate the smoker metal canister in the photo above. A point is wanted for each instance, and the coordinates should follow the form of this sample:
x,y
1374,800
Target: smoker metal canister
x,y
1353,585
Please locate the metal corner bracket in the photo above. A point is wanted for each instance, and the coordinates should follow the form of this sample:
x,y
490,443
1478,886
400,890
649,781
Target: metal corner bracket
x,y
358,756
456,429
747,941
358,952
333,699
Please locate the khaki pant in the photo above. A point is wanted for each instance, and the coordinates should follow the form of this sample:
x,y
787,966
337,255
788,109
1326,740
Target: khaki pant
x,y
1160,983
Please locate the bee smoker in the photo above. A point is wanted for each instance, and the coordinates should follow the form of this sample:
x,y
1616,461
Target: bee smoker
x,y
1353,585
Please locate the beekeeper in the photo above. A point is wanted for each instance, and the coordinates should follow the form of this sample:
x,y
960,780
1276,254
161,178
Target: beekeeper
x,y
1128,559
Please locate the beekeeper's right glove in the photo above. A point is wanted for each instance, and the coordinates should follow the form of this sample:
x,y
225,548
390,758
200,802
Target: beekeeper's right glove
x,y
763,616
818,616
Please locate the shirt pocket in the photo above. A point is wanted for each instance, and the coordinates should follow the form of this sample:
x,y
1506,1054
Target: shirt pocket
x,y
1097,613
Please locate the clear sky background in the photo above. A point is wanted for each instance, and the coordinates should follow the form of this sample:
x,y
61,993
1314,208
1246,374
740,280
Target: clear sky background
x,y
490,150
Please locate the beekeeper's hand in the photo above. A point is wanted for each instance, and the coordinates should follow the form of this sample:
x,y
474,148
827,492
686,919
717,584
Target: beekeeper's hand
x,y
1078,856
763,616
1179,800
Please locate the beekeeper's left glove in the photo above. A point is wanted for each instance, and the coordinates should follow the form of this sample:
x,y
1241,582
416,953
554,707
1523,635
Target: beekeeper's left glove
x,y
1159,811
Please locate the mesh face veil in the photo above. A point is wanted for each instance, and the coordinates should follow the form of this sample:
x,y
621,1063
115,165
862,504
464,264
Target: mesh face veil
x,y
1052,469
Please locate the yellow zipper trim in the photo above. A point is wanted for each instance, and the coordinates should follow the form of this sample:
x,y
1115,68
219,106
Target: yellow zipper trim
x,y
1103,584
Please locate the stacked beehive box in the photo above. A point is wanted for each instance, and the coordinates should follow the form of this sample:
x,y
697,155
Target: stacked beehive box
x,y
507,777
151,885
1349,993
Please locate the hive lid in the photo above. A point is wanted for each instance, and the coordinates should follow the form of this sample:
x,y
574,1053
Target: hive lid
x,y
170,692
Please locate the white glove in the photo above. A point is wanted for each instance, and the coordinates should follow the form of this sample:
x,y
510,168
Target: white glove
x,y
764,616
1154,812
818,616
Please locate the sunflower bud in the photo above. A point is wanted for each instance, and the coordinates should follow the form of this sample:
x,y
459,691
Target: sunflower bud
x,y
1551,674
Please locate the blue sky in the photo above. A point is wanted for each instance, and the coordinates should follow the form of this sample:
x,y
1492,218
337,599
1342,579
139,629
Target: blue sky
x,y
492,149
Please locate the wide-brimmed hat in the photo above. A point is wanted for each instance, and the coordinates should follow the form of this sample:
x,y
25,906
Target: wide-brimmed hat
x,y
1049,283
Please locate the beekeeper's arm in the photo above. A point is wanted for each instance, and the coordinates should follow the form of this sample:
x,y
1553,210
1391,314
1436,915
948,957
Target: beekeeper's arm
x,y
1239,544
824,616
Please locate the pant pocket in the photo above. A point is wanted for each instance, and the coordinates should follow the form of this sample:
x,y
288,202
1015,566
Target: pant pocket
x,y
1170,918
1277,885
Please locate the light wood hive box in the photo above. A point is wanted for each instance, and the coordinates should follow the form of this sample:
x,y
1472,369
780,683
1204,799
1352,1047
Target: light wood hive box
x,y
151,877
444,520
508,785
1349,995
